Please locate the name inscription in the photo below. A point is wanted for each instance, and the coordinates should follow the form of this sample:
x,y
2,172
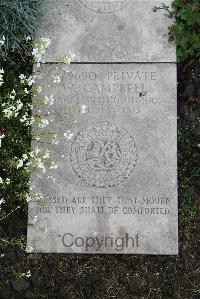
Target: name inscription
x,y
131,92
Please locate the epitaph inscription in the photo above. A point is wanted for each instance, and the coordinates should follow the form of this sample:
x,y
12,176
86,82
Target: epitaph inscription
x,y
103,155
104,6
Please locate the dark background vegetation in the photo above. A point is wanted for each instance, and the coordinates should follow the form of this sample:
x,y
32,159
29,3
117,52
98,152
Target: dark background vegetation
x,y
103,276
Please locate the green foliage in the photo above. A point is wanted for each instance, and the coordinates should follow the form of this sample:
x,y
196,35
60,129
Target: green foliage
x,y
18,19
16,142
186,29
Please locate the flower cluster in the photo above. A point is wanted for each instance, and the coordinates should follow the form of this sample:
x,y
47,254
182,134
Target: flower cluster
x,y
27,80
49,100
27,109
83,108
29,249
68,58
68,135
2,41
1,202
12,109
15,108
6,181
39,49
36,160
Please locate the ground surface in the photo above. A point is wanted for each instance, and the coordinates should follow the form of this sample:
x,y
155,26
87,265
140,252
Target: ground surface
x,y
94,276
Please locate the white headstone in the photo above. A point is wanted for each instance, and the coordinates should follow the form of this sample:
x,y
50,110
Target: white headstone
x,y
115,188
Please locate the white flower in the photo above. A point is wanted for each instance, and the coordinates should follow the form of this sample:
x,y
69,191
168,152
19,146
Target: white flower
x,y
24,157
37,138
46,41
22,78
39,89
1,137
31,80
28,274
23,118
44,123
56,79
37,150
31,120
54,139
26,91
13,110
35,51
2,255
53,166
39,49
19,105
2,201
1,180
68,58
2,71
40,165
12,94
9,111
83,108
46,156
28,38
2,40
49,100
35,219
7,181
28,198
19,164
29,249
68,135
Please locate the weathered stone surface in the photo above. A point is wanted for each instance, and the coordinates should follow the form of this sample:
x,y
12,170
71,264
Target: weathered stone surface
x,y
116,179
108,31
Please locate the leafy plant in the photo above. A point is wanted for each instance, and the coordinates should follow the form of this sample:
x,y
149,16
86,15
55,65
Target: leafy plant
x,y
19,19
185,31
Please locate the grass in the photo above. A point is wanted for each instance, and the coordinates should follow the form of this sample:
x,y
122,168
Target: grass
x,y
19,19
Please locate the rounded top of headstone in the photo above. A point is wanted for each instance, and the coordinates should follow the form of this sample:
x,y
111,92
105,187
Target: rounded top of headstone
x,y
104,6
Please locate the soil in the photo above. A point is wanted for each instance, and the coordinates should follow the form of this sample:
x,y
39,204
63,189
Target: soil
x,y
120,276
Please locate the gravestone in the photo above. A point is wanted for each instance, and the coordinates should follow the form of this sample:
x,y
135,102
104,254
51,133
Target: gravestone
x,y
108,31
115,189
